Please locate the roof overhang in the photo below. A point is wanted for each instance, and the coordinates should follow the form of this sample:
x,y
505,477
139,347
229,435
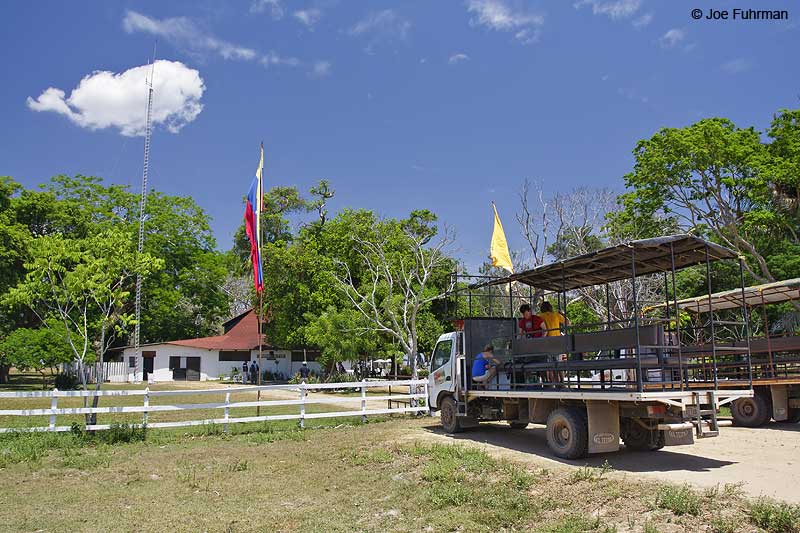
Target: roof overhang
x,y
767,293
646,256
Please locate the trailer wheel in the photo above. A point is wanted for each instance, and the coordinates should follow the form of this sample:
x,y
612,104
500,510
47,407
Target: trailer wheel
x,y
640,439
517,424
449,412
751,412
568,433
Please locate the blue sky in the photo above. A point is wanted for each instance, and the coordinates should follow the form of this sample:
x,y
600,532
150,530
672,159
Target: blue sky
x,y
401,105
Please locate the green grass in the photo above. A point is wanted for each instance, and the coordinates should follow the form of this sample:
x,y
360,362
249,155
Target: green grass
x,y
333,476
775,516
681,500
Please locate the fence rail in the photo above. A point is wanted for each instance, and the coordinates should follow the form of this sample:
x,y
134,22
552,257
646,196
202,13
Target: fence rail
x,y
417,390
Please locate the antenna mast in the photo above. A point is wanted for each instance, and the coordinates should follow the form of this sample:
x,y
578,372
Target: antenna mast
x,y
142,205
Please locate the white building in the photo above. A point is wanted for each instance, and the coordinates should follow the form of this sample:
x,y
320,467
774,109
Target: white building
x,y
214,357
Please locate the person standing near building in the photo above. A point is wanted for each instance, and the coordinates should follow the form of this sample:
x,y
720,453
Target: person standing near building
x,y
245,372
304,372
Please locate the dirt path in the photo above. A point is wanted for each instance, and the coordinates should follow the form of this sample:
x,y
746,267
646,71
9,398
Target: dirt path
x,y
765,461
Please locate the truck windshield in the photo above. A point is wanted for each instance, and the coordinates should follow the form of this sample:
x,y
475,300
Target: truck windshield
x,y
441,354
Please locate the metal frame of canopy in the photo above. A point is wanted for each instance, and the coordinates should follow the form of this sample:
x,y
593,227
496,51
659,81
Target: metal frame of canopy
x,y
758,296
626,261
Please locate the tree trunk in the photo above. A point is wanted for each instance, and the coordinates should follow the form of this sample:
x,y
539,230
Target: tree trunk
x,y
4,373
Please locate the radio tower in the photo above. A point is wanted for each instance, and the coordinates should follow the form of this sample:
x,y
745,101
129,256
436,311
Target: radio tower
x,y
142,203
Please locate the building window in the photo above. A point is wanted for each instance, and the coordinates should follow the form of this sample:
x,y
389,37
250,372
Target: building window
x,y
132,361
174,363
231,355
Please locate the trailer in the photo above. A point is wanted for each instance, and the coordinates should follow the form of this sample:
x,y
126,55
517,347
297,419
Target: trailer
x,y
775,352
626,379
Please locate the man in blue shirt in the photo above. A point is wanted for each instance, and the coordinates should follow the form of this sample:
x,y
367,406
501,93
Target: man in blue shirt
x,y
484,368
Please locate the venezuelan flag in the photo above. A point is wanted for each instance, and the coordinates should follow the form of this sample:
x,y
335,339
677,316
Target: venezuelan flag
x,y
252,223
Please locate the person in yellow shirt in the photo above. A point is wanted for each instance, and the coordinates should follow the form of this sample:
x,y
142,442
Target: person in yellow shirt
x,y
552,320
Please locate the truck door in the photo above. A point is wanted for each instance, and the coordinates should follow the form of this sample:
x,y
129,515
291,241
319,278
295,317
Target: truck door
x,y
441,376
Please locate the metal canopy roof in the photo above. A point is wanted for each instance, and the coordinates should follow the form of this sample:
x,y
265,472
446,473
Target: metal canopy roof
x,y
616,263
768,293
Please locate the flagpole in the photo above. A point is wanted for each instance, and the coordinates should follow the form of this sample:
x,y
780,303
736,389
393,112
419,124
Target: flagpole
x,y
261,292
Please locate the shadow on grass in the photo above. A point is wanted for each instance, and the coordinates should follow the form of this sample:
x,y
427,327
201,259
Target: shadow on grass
x,y
533,441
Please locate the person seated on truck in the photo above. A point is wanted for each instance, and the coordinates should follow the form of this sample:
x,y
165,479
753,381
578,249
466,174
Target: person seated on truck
x,y
553,321
484,368
530,325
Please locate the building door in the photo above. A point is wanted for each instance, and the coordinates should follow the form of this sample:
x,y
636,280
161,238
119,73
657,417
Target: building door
x,y
192,369
148,359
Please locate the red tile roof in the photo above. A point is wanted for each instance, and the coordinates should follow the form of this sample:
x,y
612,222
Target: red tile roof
x,y
242,335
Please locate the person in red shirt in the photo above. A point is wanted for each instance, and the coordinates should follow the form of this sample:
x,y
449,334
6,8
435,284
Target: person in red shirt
x,y
530,325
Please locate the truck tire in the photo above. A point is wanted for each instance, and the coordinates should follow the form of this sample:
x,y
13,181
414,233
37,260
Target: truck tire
x,y
449,415
640,439
568,433
751,412
517,424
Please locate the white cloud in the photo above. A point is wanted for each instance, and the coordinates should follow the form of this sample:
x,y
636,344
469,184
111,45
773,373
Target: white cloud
x,y
497,15
183,33
272,58
616,9
274,6
458,58
105,99
379,27
672,38
308,17
387,23
643,21
320,69
736,66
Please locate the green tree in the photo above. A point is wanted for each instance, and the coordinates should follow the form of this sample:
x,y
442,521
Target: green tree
x,y
716,179
37,349
85,284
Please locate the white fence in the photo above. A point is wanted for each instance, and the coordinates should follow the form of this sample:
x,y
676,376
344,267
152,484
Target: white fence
x,y
417,390
114,371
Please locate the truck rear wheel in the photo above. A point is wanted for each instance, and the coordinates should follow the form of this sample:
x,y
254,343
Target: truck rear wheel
x,y
568,433
449,415
638,438
751,412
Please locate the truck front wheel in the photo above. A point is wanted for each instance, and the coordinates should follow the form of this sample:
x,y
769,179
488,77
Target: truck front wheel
x,y
449,415
751,412
568,433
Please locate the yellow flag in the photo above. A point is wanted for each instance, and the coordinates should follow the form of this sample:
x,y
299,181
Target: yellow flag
x,y
499,250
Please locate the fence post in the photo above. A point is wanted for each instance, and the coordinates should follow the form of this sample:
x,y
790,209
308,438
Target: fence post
x,y
427,399
53,405
146,405
227,409
302,405
363,401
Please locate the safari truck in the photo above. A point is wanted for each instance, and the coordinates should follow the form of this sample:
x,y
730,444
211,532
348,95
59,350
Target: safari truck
x,y
626,378
774,349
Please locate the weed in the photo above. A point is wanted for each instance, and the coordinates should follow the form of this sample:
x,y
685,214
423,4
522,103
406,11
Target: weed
x,y
579,524
119,433
775,516
723,525
680,500
367,457
650,528
240,465
442,494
